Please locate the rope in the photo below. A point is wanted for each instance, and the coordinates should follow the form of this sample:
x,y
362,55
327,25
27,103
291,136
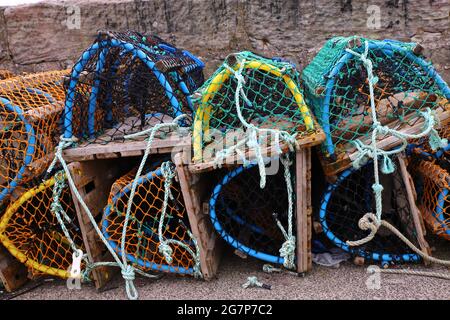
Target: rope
x,y
287,250
371,223
168,172
253,282
416,273
372,150
128,271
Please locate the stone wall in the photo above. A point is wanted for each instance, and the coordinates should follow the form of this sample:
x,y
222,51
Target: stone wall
x,y
44,36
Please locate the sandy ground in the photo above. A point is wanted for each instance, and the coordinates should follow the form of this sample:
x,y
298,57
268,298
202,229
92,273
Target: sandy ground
x,y
346,282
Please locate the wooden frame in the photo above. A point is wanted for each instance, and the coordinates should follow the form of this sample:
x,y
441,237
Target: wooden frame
x,y
132,148
303,210
344,159
93,180
308,141
195,187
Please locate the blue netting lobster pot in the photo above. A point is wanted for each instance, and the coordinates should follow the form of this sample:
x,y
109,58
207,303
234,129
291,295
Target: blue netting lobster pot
x,y
127,82
246,216
347,200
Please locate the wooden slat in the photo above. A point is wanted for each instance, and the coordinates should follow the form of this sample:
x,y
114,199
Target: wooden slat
x,y
110,150
269,151
193,188
417,217
303,210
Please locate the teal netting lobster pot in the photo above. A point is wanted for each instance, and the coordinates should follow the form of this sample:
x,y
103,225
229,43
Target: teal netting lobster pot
x,y
127,82
348,199
248,217
336,88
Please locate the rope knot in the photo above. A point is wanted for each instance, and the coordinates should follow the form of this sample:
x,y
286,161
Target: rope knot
x,y
287,251
166,251
252,282
128,273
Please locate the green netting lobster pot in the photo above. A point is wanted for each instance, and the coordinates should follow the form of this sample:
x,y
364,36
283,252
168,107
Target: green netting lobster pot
x,y
250,95
347,200
144,237
127,82
337,89
246,216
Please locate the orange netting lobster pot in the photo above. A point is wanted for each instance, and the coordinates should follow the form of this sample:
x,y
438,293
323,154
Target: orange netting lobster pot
x,y
31,231
432,183
143,239
31,109
5,74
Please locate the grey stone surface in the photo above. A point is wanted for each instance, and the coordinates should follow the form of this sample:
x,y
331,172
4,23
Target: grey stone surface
x,y
39,37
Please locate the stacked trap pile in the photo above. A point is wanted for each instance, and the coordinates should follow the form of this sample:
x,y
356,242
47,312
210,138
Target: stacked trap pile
x,y
31,107
251,111
157,234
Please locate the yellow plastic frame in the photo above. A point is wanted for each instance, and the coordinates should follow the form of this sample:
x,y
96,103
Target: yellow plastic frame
x,y
202,117
12,208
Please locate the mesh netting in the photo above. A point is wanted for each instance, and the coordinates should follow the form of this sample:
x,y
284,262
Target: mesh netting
x,y
142,242
31,107
126,82
346,201
243,213
421,147
5,74
31,232
269,99
432,183
337,90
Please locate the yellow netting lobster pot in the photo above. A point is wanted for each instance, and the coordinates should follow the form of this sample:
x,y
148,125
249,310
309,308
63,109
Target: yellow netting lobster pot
x,y
337,89
255,221
154,240
5,74
432,184
250,106
348,199
127,82
31,109
32,233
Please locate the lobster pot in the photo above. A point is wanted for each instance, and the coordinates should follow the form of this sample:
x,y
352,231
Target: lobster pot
x,y
421,147
269,99
245,215
346,201
432,184
31,108
142,239
127,82
5,74
31,231
337,89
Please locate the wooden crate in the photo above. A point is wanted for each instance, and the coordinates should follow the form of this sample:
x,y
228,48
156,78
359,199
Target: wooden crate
x,y
348,153
13,274
196,188
93,180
